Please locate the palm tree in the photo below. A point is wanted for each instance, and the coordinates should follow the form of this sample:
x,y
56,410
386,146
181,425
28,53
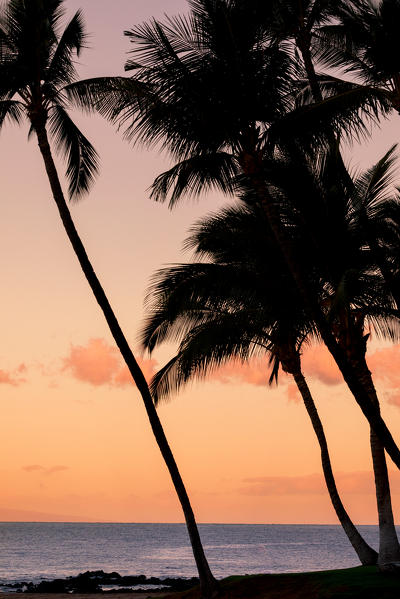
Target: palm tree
x,y
362,43
37,74
214,91
233,306
346,268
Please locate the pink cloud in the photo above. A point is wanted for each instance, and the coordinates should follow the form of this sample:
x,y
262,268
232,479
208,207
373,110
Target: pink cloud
x,y
254,372
318,363
123,376
293,393
99,363
95,363
13,377
385,367
352,483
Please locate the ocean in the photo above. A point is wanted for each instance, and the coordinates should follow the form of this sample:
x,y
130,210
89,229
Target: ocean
x,y
32,552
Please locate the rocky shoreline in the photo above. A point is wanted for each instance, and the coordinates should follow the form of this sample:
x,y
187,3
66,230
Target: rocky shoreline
x,y
98,581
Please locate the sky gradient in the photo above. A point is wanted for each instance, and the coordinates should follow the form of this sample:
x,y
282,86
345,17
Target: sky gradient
x,y
76,444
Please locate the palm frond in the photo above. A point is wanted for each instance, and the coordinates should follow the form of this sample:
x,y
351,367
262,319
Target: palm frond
x,y
101,94
349,115
196,175
61,70
205,348
375,185
166,381
82,158
187,295
12,110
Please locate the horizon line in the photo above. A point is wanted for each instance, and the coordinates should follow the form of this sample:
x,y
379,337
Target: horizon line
x,y
184,523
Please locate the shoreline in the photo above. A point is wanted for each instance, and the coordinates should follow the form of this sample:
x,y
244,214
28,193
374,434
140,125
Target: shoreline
x,y
361,582
99,582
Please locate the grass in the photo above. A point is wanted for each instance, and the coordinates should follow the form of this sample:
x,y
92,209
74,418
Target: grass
x,y
352,583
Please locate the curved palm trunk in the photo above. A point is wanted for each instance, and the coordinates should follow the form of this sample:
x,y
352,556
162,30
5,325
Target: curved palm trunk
x,y
366,554
209,586
389,548
304,42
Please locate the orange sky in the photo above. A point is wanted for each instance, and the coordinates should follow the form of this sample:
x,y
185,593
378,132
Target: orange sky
x,y
76,444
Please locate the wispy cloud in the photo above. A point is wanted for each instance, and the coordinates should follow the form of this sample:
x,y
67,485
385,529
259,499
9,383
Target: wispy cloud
x,y
361,482
46,470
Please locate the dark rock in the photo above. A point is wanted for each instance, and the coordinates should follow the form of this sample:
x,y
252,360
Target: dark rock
x,y
49,586
93,580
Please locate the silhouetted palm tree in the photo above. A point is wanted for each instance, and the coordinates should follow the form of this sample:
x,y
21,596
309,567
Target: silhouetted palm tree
x,y
213,90
234,306
37,75
333,217
363,44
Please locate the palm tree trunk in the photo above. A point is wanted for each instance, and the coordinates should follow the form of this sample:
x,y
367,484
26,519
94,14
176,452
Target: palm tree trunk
x,y
389,548
209,586
366,554
304,44
252,167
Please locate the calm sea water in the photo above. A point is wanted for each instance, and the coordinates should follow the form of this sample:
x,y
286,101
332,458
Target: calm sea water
x,y
35,551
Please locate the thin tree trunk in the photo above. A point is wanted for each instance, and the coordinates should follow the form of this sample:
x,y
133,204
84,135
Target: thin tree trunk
x,y
366,554
304,47
389,548
209,586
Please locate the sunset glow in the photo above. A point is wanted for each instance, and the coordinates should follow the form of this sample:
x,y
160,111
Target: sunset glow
x,y
76,443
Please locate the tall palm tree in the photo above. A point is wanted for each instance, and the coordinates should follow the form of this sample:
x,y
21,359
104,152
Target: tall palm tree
x,y
210,88
36,75
233,306
346,268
